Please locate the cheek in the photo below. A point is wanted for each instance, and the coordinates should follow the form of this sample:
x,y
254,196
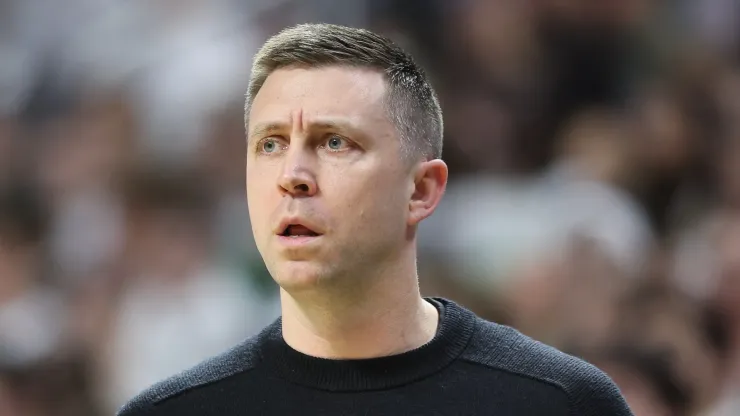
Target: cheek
x,y
373,206
261,201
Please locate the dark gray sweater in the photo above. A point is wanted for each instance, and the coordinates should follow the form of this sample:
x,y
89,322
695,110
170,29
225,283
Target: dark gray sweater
x,y
471,367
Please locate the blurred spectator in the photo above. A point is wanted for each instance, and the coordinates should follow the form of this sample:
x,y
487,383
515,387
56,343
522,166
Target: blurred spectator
x,y
646,380
49,387
178,306
694,338
593,203
30,312
81,158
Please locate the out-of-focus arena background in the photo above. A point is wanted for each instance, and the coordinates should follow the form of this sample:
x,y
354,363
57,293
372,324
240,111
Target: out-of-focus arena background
x,y
594,203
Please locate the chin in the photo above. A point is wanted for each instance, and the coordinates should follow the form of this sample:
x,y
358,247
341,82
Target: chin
x,y
295,276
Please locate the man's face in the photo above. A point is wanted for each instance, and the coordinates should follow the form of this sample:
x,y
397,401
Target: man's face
x,y
327,188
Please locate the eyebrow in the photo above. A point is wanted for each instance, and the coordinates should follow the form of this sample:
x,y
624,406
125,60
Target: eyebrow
x,y
266,129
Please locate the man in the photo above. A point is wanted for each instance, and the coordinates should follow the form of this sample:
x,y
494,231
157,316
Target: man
x,y
343,163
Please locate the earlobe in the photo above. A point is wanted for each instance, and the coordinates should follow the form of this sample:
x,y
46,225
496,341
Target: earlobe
x,y
430,182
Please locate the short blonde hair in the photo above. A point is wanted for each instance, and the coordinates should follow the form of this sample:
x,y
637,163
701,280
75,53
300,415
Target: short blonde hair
x,y
412,103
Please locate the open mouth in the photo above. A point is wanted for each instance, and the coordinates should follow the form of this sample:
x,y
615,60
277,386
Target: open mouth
x,y
297,230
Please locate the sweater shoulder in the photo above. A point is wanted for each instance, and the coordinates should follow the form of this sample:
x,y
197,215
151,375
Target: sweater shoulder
x,y
589,390
241,358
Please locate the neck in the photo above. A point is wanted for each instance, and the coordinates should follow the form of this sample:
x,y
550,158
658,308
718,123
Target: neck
x,y
388,318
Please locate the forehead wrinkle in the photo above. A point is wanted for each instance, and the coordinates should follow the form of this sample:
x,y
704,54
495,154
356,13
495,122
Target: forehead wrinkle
x,y
308,84
359,106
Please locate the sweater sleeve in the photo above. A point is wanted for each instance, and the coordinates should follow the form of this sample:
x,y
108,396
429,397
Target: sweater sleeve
x,y
595,394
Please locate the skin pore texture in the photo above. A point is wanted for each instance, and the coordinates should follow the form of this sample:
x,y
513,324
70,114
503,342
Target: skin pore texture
x,y
324,156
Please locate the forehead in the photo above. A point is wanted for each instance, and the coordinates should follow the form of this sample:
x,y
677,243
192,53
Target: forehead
x,y
356,94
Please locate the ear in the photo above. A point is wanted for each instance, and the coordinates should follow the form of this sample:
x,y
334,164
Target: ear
x,y
430,182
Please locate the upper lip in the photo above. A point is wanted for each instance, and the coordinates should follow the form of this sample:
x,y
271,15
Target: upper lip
x,y
287,222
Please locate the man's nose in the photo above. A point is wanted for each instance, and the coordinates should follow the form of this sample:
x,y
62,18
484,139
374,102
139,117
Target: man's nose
x,y
297,178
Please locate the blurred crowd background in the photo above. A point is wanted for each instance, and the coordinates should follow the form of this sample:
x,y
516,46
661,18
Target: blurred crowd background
x,y
594,202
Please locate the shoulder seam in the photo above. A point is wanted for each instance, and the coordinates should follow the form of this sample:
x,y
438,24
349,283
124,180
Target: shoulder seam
x,y
507,350
521,374
237,360
543,380
172,395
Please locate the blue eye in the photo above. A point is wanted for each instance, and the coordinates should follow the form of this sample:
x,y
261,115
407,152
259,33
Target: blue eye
x,y
335,143
269,146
